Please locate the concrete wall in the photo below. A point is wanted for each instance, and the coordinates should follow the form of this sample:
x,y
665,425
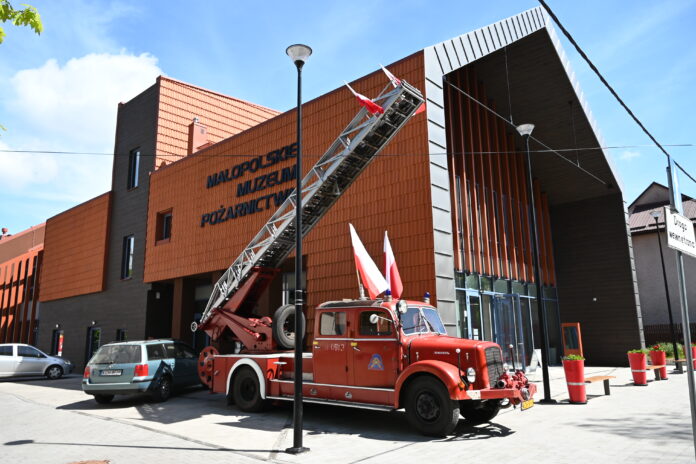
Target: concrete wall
x,y
595,277
122,304
651,282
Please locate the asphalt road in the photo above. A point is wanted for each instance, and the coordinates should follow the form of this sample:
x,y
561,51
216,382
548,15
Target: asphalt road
x,y
55,422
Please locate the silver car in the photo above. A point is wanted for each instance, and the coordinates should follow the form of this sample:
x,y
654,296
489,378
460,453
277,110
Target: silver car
x,y
17,359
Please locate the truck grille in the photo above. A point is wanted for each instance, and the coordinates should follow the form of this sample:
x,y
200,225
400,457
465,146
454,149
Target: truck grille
x,y
494,362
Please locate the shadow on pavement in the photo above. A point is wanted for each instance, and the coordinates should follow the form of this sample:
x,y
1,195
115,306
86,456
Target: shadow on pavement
x,y
67,382
105,445
643,426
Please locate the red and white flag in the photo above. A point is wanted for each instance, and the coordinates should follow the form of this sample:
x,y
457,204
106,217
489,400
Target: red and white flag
x,y
371,106
371,277
394,80
391,272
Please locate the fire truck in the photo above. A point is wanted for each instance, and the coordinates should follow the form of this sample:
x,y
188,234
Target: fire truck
x,y
381,354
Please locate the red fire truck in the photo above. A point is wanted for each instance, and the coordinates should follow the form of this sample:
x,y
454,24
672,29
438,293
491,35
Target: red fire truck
x,y
379,354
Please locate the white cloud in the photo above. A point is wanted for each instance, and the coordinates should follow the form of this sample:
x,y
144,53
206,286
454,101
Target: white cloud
x,y
628,155
68,108
78,101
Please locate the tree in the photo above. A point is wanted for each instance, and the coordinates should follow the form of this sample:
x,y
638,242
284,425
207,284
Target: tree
x,y
28,16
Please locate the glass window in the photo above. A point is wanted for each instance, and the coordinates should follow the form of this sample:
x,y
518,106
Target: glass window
x,y
164,225
185,352
127,257
171,350
332,323
418,320
121,335
155,352
289,286
118,354
28,352
6,350
133,168
382,327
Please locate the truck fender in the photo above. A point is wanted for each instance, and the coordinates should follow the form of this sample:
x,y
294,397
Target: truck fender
x,y
445,372
256,368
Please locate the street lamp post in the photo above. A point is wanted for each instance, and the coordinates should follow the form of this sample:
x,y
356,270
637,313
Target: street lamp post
x,y
656,214
525,131
298,53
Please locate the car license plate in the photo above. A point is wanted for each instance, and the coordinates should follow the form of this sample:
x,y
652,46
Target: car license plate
x,y
111,372
527,404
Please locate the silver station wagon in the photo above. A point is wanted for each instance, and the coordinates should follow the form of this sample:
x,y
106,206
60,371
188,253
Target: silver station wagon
x,y
18,359
155,367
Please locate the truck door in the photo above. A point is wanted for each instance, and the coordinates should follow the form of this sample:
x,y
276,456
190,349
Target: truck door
x,y
374,350
330,349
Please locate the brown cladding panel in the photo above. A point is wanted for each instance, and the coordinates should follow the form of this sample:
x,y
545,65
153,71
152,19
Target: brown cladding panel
x,y
388,196
75,244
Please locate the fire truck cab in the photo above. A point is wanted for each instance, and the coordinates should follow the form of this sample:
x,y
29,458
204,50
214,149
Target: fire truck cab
x,y
382,355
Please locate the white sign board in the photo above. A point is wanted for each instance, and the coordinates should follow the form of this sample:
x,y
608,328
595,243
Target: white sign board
x,y
680,233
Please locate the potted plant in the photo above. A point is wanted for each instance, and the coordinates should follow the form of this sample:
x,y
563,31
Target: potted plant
x,y
693,353
658,357
637,361
574,368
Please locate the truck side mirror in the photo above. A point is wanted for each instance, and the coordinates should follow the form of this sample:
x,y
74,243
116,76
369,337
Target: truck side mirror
x,y
402,306
374,318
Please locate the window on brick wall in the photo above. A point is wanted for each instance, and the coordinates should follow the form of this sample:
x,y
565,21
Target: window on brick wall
x,y
133,168
127,257
164,226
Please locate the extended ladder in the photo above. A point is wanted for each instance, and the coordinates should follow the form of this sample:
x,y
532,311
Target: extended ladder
x,y
335,171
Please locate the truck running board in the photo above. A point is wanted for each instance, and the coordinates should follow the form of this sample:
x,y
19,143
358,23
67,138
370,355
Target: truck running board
x,y
351,152
373,407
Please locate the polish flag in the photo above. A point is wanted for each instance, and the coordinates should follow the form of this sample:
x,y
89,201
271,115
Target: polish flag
x,y
391,272
394,80
371,106
371,277
420,109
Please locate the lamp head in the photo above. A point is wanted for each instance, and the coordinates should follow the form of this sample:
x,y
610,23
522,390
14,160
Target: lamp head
x,y
655,214
525,129
298,53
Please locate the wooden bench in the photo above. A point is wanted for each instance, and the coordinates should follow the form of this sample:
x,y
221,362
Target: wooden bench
x,y
657,371
679,365
601,378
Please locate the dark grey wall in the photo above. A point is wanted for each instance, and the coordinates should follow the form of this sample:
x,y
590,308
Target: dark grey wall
x,y
122,305
594,259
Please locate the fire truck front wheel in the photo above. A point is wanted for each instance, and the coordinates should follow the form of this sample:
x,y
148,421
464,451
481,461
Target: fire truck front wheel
x,y
246,392
429,408
478,412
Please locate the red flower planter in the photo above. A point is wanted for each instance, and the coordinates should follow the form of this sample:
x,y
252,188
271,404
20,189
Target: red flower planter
x,y
693,355
658,358
638,364
575,378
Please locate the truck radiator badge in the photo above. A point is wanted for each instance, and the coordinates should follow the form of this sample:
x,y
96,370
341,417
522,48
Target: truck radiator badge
x,y
375,363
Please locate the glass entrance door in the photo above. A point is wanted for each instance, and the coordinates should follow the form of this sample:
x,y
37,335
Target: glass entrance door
x,y
475,319
507,328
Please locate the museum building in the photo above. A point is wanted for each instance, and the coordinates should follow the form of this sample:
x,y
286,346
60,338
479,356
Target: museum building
x,y
197,174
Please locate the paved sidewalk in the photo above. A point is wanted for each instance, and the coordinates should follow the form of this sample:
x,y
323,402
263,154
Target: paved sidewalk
x,y
55,422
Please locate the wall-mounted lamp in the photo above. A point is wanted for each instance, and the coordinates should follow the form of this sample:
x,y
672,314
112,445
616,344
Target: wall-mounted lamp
x,y
94,323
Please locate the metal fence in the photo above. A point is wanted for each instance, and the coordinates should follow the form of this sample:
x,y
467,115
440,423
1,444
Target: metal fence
x,y
660,333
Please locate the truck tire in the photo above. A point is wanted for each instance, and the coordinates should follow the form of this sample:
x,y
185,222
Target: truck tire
x,y
246,393
283,326
478,412
429,408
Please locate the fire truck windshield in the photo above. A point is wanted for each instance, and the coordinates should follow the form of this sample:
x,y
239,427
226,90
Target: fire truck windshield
x,y
421,320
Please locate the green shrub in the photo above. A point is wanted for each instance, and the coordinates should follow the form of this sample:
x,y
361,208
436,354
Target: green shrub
x,y
573,357
669,349
639,350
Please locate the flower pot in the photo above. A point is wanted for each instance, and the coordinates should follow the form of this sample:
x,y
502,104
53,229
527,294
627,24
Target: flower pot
x,y
693,355
575,378
658,358
638,364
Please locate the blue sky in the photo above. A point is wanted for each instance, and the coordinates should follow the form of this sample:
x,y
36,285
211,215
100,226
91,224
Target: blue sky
x,y
60,90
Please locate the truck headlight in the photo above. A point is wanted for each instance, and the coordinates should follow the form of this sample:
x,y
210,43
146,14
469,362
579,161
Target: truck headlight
x,y
471,375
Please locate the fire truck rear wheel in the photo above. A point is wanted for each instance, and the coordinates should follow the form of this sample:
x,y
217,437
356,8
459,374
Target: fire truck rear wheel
x,y
479,412
246,392
429,408
283,326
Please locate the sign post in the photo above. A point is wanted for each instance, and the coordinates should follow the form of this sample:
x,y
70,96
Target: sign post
x,y
680,236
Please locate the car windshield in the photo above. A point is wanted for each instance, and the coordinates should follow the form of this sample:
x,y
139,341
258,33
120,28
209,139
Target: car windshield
x,y
117,354
421,320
